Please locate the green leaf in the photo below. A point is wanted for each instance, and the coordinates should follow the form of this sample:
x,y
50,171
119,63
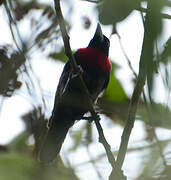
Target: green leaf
x,y
17,167
19,143
115,66
60,56
112,11
115,91
155,23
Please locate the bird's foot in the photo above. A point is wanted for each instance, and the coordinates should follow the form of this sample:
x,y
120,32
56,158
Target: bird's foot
x,y
92,118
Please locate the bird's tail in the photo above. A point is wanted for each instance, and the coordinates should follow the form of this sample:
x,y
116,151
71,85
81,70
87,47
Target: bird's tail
x,y
54,140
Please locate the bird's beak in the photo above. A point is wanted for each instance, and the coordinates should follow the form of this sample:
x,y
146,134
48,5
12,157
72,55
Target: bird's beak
x,y
98,32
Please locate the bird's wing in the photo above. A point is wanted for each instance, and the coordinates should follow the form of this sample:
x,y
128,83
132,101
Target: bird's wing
x,y
63,81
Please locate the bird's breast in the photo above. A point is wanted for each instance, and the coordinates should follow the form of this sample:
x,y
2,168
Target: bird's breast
x,y
91,56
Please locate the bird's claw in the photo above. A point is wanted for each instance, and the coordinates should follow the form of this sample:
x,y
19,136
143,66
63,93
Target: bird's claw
x,y
92,118
97,117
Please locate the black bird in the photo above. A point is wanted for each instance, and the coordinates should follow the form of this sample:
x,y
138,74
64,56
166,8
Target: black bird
x,y
71,101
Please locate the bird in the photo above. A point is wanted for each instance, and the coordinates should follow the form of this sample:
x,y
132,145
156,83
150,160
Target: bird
x,y
70,102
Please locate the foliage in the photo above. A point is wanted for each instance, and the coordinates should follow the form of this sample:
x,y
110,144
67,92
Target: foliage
x,y
8,71
44,36
113,11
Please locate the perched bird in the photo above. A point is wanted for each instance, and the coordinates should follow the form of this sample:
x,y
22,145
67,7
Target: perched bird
x,y
70,100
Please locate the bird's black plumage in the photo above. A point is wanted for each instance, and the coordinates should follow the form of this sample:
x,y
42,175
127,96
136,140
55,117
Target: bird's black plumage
x,y
70,100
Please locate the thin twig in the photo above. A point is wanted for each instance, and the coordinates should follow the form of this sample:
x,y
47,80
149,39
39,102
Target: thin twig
x,y
150,118
94,1
144,97
21,48
126,56
10,25
93,162
153,131
69,54
131,149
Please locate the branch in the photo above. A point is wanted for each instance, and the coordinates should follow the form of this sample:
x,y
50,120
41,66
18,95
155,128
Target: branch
x,y
163,15
145,101
153,131
145,59
144,67
21,47
94,115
